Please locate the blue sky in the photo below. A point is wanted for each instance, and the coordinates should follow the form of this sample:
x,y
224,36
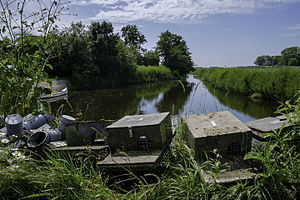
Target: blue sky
x,y
218,32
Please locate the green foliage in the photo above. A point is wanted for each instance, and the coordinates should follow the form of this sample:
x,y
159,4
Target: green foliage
x,y
267,60
175,53
93,58
288,53
283,60
146,74
72,52
98,58
151,58
293,62
23,57
275,83
133,37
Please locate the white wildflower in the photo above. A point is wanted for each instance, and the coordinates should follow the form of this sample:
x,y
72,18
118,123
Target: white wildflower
x,y
16,154
5,141
21,157
15,167
2,134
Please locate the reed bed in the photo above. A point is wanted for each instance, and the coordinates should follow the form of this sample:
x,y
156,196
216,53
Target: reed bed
x,y
272,83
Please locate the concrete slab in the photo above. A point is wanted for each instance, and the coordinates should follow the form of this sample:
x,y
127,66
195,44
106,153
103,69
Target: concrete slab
x,y
213,124
218,131
267,124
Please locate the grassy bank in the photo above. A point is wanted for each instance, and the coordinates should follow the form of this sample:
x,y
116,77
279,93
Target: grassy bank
x,y
273,83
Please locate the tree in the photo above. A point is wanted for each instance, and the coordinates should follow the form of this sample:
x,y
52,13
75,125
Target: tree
x,y
260,61
267,60
72,51
132,36
151,58
293,62
25,25
275,60
175,53
288,53
109,55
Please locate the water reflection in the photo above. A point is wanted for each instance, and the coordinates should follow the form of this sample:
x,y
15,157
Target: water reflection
x,y
190,97
204,99
256,108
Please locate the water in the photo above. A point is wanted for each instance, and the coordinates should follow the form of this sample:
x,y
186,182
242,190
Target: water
x,y
190,97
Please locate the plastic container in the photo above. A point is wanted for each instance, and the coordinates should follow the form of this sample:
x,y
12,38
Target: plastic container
x,y
14,124
44,137
38,121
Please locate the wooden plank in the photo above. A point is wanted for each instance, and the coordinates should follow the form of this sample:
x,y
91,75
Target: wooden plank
x,y
81,148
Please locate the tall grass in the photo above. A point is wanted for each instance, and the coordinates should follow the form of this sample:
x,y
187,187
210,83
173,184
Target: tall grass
x,y
273,83
146,74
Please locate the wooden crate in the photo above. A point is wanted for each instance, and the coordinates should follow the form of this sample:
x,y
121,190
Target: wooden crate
x,y
127,133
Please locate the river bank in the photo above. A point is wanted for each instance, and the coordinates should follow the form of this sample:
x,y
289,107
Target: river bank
x,y
273,83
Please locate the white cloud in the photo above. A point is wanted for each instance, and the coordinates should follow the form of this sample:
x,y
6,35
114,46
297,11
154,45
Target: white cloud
x,y
172,11
294,28
293,31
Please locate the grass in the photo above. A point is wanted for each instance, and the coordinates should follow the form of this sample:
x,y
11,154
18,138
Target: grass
x,y
146,74
62,178
273,83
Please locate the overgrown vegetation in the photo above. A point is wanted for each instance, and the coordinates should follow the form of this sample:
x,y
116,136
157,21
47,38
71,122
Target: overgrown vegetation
x,y
61,178
275,83
23,57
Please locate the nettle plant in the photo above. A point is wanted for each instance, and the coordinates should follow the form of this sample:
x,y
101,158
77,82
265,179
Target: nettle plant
x,y
25,48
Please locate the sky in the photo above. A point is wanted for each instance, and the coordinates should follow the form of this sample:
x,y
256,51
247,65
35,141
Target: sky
x,y
217,32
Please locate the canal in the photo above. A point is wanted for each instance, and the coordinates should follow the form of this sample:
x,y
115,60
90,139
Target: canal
x,y
179,98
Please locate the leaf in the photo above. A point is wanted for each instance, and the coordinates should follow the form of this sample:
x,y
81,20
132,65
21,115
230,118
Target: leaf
x,y
253,155
182,85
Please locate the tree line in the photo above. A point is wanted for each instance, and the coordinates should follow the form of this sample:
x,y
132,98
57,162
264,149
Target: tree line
x,y
289,57
98,57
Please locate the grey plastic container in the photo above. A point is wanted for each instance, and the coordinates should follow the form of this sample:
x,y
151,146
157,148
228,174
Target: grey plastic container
x,y
38,121
14,124
44,137
65,119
